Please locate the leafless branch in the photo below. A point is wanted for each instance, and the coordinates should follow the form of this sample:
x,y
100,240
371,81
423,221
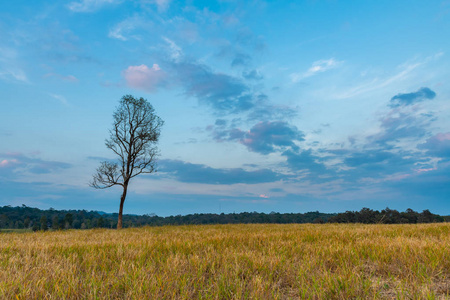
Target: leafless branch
x,y
106,176
133,139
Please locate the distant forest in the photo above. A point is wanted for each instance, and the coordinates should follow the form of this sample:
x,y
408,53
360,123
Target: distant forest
x,y
24,217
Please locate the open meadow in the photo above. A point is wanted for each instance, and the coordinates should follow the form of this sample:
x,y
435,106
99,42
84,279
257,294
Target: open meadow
x,y
327,261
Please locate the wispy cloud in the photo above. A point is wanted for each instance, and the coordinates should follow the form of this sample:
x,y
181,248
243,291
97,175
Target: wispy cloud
x,y
405,71
9,66
198,173
266,111
253,75
246,38
438,145
398,125
13,74
305,161
7,163
394,152
162,5
175,51
241,59
224,93
69,78
123,30
264,137
404,121
377,83
91,5
316,68
60,98
11,163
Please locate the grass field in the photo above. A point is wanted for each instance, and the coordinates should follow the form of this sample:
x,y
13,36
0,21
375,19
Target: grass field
x,y
229,262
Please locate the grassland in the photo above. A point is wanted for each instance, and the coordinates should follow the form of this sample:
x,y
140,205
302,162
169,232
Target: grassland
x,y
229,262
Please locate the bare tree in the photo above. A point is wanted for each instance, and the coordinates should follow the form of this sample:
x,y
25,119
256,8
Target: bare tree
x,y
136,130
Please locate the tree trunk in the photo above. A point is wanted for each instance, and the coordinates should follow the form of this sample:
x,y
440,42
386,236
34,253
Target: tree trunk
x,y
122,201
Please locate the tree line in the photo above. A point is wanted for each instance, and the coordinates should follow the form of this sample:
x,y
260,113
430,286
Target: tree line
x,y
24,217
387,216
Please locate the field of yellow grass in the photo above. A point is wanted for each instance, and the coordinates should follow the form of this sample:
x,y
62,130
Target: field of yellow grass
x,y
326,261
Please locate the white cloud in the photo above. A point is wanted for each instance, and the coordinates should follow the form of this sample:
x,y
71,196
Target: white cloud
x,y
377,83
405,71
317,67
60,98
123,29
161,4
9,67
143,77
13,73
90,5
116,33
175,50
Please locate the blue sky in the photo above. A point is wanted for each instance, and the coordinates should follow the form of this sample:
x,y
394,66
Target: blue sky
x,y
268,106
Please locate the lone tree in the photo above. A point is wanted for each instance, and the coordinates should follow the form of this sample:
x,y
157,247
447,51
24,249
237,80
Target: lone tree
x,y
136,129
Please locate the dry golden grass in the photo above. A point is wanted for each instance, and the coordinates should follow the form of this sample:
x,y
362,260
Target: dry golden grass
x,y
229,262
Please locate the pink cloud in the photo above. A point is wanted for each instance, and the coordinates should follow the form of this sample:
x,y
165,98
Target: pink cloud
x,y
143,77
443,136
425,170
263,196
14,161
5,163
438,145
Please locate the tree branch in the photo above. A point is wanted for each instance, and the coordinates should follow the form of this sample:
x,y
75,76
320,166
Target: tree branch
x,y
106,176
135,132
